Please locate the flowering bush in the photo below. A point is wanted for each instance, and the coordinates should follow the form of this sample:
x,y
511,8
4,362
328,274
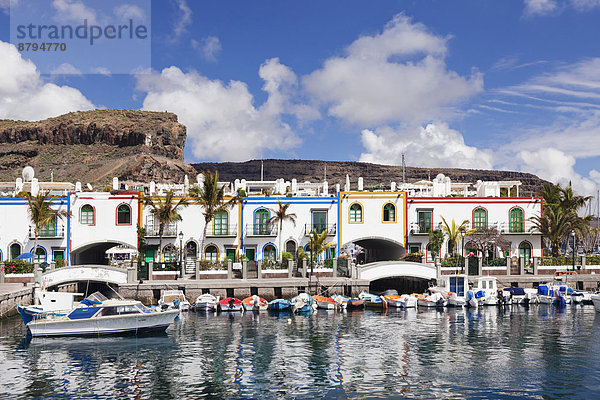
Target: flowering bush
x,y
18,267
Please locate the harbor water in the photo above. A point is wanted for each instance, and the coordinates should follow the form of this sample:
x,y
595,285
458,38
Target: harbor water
x,y
536,352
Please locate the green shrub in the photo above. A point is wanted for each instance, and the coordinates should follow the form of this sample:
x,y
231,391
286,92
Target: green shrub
x,y
207,265
287,255
329,263
59,263
272,264
18,267
561,260
455,261
413,257
497,262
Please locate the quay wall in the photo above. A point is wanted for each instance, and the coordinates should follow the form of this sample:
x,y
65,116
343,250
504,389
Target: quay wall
x,y
149,292
11,295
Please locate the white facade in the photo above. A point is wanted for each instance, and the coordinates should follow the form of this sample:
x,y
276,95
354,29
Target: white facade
x,y
386,224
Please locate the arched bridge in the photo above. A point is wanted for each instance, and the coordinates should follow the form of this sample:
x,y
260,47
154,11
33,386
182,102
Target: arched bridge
x,y
393,269
82,273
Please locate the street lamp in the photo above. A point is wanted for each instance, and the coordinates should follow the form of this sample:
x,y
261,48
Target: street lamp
x,y
181,254
574,236
462,266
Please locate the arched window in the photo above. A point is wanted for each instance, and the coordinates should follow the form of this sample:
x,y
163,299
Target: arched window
x,y
479,218
516,220
261,222
14,250
221,223
525,252
211,253
269,252
170,253
389,213
356,213
124,215
86,215
40,255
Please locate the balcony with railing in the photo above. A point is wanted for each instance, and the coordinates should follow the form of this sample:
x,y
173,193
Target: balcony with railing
x,y
48,232
422,229
320,228
262,229
169,230
221,231
526,227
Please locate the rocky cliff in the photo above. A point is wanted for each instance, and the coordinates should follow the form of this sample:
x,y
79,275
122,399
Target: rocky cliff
x,y
94,146
375,176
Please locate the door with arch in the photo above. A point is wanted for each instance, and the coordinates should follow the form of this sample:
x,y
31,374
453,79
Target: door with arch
x,y
191,255
290,247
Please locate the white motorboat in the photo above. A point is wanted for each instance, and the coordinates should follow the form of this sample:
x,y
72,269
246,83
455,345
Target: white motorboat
x,y
205,303
174,299
408,301
96,315
435,299
485,289
551,294
57,303
456,286
596,301
581,297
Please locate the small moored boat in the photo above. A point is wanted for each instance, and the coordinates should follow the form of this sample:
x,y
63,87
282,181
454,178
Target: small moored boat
x,y
324,303
231,304
279,305
372,300
174,299
205,303
255,303
303,303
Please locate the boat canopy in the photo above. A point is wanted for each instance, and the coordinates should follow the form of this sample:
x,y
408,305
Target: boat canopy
x,y
543,290
517,291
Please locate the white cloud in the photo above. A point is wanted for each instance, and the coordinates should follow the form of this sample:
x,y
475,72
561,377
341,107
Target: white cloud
x,y
5,6
585,5
65,69
129,11
540,7
281,84
21,87
397,75
24,95
221,118
101,71
209,47
73,11
558,167
435,145
184,19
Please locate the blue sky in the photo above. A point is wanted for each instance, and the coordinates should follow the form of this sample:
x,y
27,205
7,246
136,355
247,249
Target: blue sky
x,y
473,84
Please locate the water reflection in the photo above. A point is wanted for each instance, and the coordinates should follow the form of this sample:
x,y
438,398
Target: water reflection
x,y
483,353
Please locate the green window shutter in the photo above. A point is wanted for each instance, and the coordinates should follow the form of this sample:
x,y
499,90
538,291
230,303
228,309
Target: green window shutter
x,y
516,220
479,218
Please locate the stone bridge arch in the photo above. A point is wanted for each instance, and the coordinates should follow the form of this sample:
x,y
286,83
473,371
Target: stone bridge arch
x,y
379,248
85,273
95,252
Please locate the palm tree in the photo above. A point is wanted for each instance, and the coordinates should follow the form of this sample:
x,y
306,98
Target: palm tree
x,y
41,213
318,243
453,231
211,197
280,216
555,224
560,217
166,212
